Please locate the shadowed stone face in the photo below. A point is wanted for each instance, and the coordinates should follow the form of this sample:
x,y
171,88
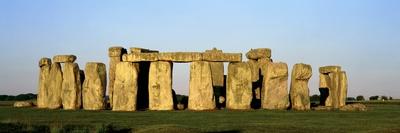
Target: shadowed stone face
x,y
239,86
299,91
94,86
44,80
55,87
274,93
71,87
334,82
160,86
64,58
115,54
201,94
125,87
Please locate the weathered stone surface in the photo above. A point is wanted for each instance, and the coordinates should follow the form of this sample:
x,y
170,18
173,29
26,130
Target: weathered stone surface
x,y
160,86
324,81
262,64
71,87
44,62
333,97
55,87
217,72
239,86
354,107
141,50
221,99
125,87
94,86
259,53
255,70
64,58
329,69
299,91
183,57
201,94
342,88
115,54
23,104
44,82
274,93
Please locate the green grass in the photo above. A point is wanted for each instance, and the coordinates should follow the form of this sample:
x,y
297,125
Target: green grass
x,y
379,118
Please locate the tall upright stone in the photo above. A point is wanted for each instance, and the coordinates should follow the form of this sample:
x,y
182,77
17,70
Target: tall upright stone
x,y
217,69
115,54
125,87
160,86
334,89
329,85
239,87
342,88
55,86
94,86
299,91
201,95
44,80
274,93
71,87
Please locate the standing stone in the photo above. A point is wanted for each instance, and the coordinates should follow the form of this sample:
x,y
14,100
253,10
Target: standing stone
x,y
329,85
342,88
299,91
44,79
274,93
94,86
201,95
217,70
71,87
255,70
334,89
125,87
115,54
239,87
160,86
262,64
55,86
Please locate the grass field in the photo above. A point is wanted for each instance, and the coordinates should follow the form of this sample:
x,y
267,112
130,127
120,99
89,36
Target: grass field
x,y
379,118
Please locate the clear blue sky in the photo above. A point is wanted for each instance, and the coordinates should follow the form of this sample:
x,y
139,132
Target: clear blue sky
x,y
363,36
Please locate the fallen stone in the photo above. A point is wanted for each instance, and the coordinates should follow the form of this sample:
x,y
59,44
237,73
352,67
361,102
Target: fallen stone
x,y
342,88
160,86
115,54
239,86
299,91
55,87
180,106
94,86
23,104
354,107
44,82
259,53
125,87
201,94
323,108
329,69
64,58
274,93
221,99
71,87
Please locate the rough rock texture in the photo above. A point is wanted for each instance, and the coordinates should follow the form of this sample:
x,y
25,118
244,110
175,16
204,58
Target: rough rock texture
x,y
55,87
299,91
324,81
354,107
274,93
342,88
333,98
141,50
255,70
259,53
115,54
44,76
217,69
125,87
329,69
23,104
239,86
262,64
64,58
201,94
160,86
71,87
94,86
183,57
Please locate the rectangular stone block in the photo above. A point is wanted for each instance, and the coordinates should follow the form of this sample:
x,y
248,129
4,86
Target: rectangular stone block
x,y
324,81
55,87
94,86
259,53
183,57
217,72
255,70
274,93
160,86
333,97
64,58
299,90
141,50
116,51
222,57
262,64
329,69
115,54
125,87
180,56
342,88
239,87
44,82
201,94
71,87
